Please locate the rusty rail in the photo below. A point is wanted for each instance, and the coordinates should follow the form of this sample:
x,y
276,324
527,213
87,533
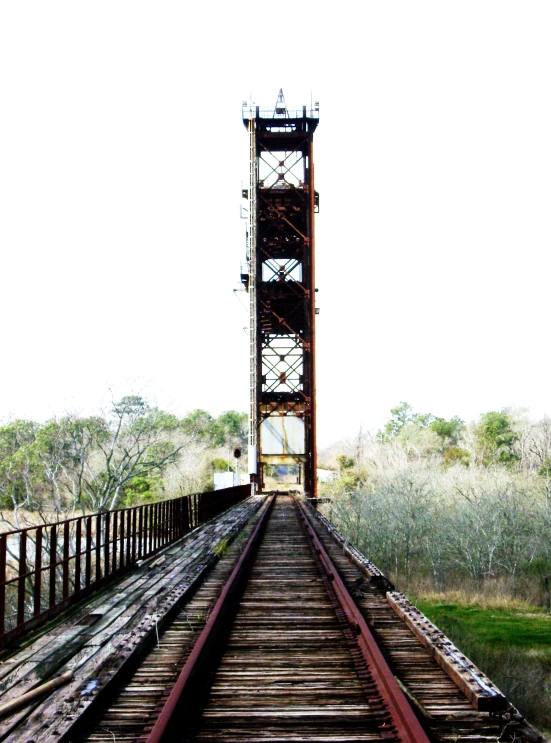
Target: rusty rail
x,y
385,712
219,615
407,725
45,568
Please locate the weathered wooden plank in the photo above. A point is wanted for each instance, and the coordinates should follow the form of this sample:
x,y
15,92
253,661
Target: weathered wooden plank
x,y
129,611
477,687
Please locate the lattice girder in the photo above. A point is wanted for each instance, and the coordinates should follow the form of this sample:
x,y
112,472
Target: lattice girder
x,y
283,204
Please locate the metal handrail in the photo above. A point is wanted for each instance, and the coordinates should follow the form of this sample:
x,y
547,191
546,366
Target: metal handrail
x,y
256,112
45,568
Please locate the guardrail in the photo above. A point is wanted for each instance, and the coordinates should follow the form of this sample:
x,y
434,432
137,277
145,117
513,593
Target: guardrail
x,y
45,568
256,112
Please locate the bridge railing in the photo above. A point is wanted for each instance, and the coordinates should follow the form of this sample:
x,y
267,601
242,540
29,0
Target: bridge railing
x,y
45,568
251,111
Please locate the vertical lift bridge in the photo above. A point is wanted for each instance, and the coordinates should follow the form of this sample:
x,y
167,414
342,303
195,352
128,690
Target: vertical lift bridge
x,y
280,280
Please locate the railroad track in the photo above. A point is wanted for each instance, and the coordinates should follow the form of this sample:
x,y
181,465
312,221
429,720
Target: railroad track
x,y
273,648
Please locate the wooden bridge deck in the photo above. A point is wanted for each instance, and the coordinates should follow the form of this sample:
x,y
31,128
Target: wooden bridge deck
x,y
95,638
99,642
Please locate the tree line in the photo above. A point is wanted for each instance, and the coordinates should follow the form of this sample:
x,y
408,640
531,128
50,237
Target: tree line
x,y
443,504
133,452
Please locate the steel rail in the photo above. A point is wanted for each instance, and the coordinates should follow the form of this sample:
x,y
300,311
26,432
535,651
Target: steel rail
x,y
404,720
212,627
407,725
286,661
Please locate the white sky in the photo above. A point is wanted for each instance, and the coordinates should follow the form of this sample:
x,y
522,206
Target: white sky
x,y
121,159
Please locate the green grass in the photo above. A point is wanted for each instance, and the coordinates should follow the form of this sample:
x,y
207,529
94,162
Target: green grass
x,y
509,641
498,627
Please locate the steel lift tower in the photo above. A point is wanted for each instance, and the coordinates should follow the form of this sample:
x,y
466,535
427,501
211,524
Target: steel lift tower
x,y
280,280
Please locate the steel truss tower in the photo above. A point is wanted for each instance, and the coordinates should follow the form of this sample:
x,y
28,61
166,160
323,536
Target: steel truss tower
x,y
280,280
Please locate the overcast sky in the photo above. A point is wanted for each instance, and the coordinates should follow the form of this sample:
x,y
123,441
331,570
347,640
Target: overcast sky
x,y
122,154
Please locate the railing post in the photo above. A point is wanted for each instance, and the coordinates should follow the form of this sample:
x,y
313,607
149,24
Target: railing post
x,y
3,549
88,572
53,561
149,520
78,537
121,539
158,519
172,510
178,518
106,553
66,539
115,538
98,547
21,581
37,571
130,536
160,525
140,532
185,516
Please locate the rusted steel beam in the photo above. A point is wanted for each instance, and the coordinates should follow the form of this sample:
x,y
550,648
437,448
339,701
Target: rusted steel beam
x,y
408,727
281,283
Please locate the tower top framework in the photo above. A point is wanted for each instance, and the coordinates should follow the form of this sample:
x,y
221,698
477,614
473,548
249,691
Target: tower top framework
x,y
282,202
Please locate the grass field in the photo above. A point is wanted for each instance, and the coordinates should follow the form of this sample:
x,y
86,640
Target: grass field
x,y
509,640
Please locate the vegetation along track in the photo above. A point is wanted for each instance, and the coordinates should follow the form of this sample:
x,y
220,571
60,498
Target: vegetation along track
x,y
281,652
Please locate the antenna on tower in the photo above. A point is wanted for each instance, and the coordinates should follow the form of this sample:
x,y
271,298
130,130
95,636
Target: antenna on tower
x,y
281,106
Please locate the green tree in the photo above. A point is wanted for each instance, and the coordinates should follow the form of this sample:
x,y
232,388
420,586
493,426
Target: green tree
x,y
20,477
231,429
496,439
198,423
139,444
402,416
449,431
142,488
65,448
345,462
545,469
456,455
219,464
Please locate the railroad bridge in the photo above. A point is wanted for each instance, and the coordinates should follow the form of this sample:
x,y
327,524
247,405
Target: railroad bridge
x,y
239,614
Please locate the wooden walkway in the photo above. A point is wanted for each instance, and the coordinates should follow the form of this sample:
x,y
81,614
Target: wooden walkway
x,y
96,638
